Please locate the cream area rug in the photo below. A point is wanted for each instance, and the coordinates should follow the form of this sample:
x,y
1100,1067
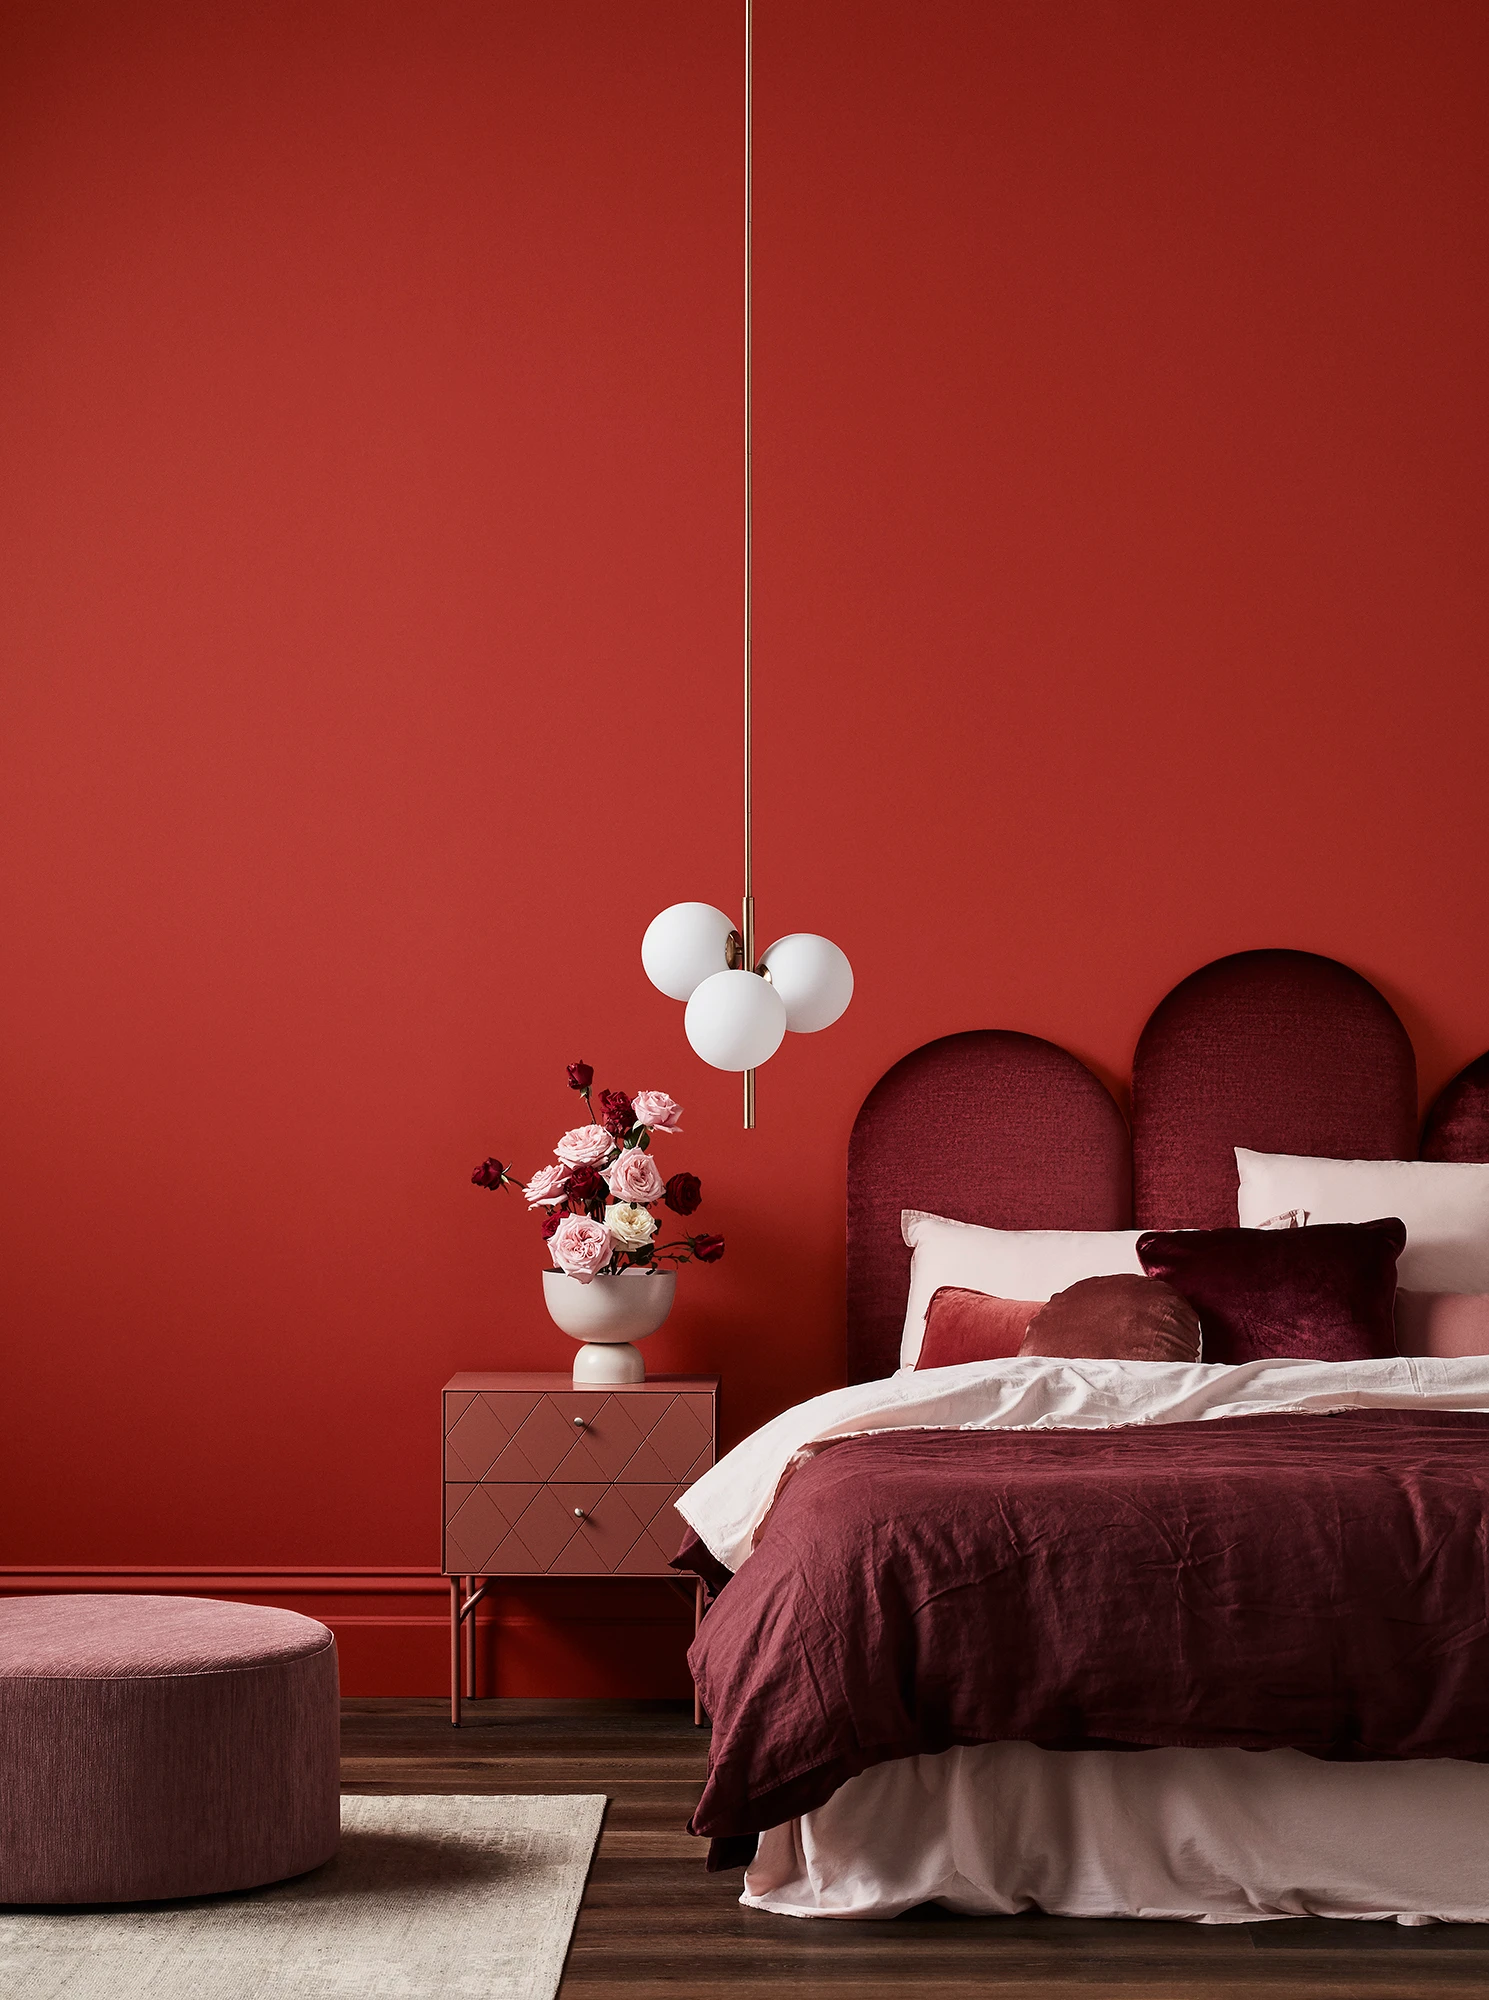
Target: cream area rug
x,y
429,1898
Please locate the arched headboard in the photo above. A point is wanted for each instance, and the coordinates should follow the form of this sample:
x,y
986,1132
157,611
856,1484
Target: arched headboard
x,y
992,1127
1457,1126
1281,1051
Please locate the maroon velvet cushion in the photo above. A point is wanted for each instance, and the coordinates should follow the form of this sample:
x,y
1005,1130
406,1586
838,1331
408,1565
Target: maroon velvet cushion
x,y
1325,1293
1121,1318
972,1326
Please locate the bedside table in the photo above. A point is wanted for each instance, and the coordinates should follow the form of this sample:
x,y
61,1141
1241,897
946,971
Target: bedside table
x,y
543,1479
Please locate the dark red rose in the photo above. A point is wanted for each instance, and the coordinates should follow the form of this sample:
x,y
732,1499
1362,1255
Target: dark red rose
x,y
682,1193
584,1184
551,1220
490,1174
708,1249
581,1076
617,1113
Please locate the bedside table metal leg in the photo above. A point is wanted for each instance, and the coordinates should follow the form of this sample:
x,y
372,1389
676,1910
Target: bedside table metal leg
x,y
470,1638
454,1652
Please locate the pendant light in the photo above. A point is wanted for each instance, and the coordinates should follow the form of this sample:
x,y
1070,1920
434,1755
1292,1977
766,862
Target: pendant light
x,y
738,1011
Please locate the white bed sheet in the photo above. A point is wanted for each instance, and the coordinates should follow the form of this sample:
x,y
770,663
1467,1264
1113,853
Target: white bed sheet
x,y
1212,1836
728,1506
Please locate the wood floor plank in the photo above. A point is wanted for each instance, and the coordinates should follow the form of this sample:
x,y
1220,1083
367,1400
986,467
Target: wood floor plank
x,y
655,1926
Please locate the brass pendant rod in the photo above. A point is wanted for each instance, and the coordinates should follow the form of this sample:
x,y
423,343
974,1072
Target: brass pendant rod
x,y
748,912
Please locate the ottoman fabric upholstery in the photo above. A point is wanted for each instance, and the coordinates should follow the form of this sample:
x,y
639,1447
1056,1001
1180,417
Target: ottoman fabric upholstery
x,y
157,1747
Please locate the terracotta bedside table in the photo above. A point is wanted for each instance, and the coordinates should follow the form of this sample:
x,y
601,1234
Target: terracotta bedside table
x,y
543,1479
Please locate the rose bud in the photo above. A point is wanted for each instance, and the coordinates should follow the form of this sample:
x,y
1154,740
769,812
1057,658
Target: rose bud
x,y
682,1193
708,1249
490,1174
550,1222
585,1183
617,1113
581,1076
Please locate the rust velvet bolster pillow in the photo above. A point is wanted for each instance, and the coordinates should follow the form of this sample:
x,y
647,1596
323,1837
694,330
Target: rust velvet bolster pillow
x,y
972,1326
1123,1318
1325,1293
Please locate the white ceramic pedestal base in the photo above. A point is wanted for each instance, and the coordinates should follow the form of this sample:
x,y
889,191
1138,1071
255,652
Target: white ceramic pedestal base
x,y
607,1315
617,1362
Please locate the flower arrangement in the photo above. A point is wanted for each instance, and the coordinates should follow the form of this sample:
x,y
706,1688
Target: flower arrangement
x,y
599,1201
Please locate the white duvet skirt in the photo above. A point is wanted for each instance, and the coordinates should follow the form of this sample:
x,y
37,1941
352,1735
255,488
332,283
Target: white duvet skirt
x,y
1214,1836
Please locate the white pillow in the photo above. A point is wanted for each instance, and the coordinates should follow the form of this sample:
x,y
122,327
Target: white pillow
x,y
1005,1263
1444,1204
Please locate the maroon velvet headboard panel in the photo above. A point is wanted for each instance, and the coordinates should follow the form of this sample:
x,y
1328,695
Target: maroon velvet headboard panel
x,y
1281,1051
991,1127
1457,1126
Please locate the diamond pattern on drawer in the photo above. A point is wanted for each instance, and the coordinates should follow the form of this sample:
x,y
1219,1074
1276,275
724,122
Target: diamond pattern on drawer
x,y
614,1427
602,1539
548,1524
659,1531
533,1530
506,1436
477,1436
478,1526
648,1437
555,1445
674,1440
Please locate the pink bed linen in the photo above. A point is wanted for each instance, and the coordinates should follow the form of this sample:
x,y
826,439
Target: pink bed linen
x,y
1211,1836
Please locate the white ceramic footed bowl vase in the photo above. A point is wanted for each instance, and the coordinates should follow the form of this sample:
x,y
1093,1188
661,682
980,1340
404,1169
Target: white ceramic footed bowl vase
x,y
607,1315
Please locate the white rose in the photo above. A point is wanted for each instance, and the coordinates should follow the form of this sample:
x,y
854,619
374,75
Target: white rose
x,y
629,1224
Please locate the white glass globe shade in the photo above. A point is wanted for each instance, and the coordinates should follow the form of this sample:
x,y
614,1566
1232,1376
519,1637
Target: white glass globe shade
x,y
684,946
813,978
735,1020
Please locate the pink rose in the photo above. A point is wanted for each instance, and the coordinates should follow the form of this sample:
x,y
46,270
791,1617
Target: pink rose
x,y
580,1248
634,1177
547,1186
656,1109
585,1146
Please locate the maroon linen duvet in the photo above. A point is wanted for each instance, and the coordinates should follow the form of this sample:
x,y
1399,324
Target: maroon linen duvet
x,y
1318,1582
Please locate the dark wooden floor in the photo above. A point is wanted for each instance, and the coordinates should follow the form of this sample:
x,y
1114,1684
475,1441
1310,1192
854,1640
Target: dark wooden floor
x,y
654,1924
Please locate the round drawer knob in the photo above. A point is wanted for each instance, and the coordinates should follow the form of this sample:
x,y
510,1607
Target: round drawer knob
x,y
580,1422
578,1513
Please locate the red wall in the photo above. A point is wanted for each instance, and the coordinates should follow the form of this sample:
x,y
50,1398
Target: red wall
x,y
371,523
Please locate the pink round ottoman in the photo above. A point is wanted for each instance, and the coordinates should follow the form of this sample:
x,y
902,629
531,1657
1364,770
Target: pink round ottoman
x,y
162,1746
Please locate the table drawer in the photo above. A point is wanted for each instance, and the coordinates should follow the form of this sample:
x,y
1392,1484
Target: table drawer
x,y
592,1436
527,1528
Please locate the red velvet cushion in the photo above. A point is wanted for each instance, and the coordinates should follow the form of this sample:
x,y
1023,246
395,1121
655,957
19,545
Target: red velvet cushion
x,y
972,1326
1122,1318
1442,1324
1325,1293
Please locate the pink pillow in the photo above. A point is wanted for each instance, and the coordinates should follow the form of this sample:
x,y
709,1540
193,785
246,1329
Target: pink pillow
x,y
1442,1324
972,1326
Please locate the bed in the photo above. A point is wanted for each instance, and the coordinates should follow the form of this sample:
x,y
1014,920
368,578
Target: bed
x,y
1102,1638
